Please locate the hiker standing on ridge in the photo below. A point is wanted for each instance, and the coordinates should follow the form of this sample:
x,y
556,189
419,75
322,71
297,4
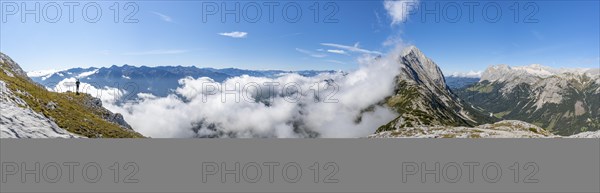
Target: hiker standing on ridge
x,y
77,87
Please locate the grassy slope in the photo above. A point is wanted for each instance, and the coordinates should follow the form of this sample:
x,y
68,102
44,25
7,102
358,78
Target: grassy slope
x,y
436,113
70,112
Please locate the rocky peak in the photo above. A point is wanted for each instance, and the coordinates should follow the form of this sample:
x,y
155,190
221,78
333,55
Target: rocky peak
x,y
420,69
423,98
12,65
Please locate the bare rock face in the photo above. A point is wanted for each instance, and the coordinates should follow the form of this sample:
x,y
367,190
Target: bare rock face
x,y
12,65
420,69
422,97
564,101
505,73
19,121
51,105
28,110
587,134
96,105
552,80
119,120
502,129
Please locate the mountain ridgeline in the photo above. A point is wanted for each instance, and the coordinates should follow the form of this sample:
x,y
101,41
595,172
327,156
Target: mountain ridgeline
x,y
423,98
563,101
158,81
511,102
532,101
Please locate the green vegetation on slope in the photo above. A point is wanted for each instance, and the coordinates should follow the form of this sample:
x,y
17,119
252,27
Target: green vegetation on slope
x,y
67,110
577,111
481,88
417,108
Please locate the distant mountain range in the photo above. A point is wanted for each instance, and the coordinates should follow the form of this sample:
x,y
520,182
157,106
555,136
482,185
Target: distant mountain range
x,y
516,102
458,82
564,101
555,102
158,81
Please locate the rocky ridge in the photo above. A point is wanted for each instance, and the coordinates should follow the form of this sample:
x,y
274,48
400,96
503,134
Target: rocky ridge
x,y
422,97
502,129
564,101
30,111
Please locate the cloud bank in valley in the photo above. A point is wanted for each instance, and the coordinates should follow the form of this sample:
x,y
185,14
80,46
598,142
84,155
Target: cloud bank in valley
x,y
346,105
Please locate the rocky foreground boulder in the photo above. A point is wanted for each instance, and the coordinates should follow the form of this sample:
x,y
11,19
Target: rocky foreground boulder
x,y
502,129
18,121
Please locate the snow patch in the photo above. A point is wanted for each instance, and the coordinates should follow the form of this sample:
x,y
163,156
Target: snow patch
x,y
41,73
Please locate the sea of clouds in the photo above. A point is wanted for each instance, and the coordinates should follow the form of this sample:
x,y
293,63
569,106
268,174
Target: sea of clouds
x,y
330,105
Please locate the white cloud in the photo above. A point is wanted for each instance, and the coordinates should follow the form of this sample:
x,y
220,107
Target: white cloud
x,y
377,26
235,34
335,61
470,74
337,51
290,35
354,48
312,54
41,73
194,111
163,17
107,94
155,52
394,40
399,10
86,74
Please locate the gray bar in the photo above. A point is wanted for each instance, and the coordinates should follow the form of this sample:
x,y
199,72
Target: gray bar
x,y
344,165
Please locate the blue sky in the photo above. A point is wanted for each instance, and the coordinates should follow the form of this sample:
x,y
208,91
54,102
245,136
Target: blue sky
x,y
558,34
